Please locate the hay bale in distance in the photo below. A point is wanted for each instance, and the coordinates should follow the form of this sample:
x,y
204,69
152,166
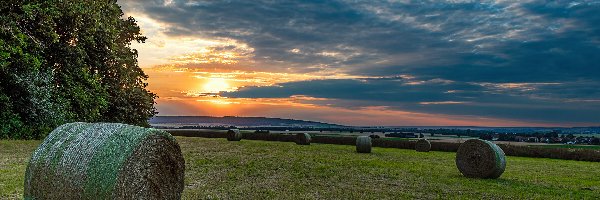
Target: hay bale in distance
x,y
234,135
363,144
423,145
105,161
477,158
302,139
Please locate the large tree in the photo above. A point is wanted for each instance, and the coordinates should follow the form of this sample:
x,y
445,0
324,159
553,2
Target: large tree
x,y
68,60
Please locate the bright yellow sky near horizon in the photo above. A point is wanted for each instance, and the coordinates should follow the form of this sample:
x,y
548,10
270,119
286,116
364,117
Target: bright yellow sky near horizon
x,y
187,73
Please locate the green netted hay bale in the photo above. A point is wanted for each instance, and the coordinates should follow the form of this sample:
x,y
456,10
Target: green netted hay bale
x,y
480,159
302,139
423,145
363,144
234,135
105,161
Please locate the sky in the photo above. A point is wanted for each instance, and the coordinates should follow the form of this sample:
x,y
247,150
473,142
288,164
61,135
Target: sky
x,y
375,63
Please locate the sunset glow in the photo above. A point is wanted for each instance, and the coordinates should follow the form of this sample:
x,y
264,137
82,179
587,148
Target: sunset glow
x,y
364,64
216,85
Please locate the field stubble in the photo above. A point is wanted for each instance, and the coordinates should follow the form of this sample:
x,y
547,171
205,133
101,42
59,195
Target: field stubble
x,y
218,169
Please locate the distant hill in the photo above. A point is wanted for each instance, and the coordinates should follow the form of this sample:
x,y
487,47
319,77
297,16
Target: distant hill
x,y
236,121
278,123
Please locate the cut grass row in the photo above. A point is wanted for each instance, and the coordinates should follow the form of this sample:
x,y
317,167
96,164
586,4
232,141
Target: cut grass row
x,y
283,170
216,168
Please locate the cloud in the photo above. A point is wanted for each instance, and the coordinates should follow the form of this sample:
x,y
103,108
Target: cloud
x,y
529,60
495,41
530,102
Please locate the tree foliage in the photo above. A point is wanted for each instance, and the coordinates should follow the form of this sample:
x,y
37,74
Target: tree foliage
x,y
68,60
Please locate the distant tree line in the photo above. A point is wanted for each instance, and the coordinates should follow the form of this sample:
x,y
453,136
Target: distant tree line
x,y
538,137
441,131
68,60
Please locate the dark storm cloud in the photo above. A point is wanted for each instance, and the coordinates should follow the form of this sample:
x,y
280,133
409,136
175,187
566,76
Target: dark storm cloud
x,y
273,28
551,47
515,43
528,102
460,40
372,89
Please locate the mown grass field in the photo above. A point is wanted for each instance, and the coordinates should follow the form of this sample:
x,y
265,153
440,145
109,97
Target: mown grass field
x,y
218,169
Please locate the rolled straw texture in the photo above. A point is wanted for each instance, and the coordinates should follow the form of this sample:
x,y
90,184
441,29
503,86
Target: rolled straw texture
x,y
423,145
477,158
363,144
105,161
234,135
302,139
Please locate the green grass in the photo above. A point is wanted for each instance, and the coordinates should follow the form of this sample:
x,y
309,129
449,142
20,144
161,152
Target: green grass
x,y
568,146
218,169
14,155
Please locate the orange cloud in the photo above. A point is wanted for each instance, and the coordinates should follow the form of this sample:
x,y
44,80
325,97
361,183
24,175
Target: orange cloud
x,y
227,54
294,108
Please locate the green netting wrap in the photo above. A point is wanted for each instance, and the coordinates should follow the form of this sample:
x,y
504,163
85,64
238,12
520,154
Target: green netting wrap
x,y
477,158
423,145
363,144
105,161
302,139
234,135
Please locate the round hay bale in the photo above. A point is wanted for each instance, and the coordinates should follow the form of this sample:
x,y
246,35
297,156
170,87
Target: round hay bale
x,y
303,139
477,158
234,135
423,145
105,161
363,144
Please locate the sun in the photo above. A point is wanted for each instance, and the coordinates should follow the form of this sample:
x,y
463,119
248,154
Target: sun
x,y
215,85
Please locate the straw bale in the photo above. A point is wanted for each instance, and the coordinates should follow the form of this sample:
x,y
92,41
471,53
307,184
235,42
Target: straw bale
x,y
105,161
234,135
477,158
423,145
363,144
302,139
